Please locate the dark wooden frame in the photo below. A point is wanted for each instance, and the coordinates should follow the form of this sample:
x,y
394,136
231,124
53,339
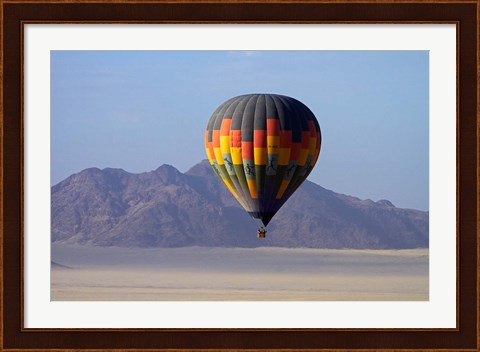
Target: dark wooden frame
x,y
465,14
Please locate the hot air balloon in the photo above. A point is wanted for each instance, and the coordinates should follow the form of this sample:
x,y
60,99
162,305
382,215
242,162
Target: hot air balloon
x,y
262,146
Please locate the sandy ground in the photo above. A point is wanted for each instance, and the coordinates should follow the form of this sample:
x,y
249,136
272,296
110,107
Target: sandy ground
x,y
228,274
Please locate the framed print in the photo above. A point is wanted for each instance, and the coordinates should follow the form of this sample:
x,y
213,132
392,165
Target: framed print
x,y
100,253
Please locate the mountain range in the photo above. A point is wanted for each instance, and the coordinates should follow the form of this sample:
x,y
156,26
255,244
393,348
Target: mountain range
x,y
167,208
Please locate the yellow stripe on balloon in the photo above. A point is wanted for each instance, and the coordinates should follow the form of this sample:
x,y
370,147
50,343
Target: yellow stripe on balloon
x,y
236,153
260,156
252,187
218,156
313,144
225,144
273,142
284,156
315,157
234,192
302,158
210,160
282,188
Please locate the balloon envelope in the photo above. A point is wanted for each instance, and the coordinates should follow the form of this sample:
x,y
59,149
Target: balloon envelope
x,y
262,146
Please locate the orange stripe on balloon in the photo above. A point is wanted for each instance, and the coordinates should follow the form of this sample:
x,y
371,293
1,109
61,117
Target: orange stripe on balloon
x,y
313,139
259,138
247,150
212,152
235,138
295,151
273,127
285,139
225,127
305,139
216,138
311,127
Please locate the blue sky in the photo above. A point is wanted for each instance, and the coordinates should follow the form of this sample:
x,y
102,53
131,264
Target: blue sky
x,y
137,110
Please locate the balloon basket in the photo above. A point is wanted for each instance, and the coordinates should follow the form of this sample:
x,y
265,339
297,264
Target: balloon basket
x,y
261,234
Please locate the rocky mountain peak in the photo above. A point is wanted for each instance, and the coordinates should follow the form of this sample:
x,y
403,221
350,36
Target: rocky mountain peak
x,y
203,168
168,174
385,202
166,208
